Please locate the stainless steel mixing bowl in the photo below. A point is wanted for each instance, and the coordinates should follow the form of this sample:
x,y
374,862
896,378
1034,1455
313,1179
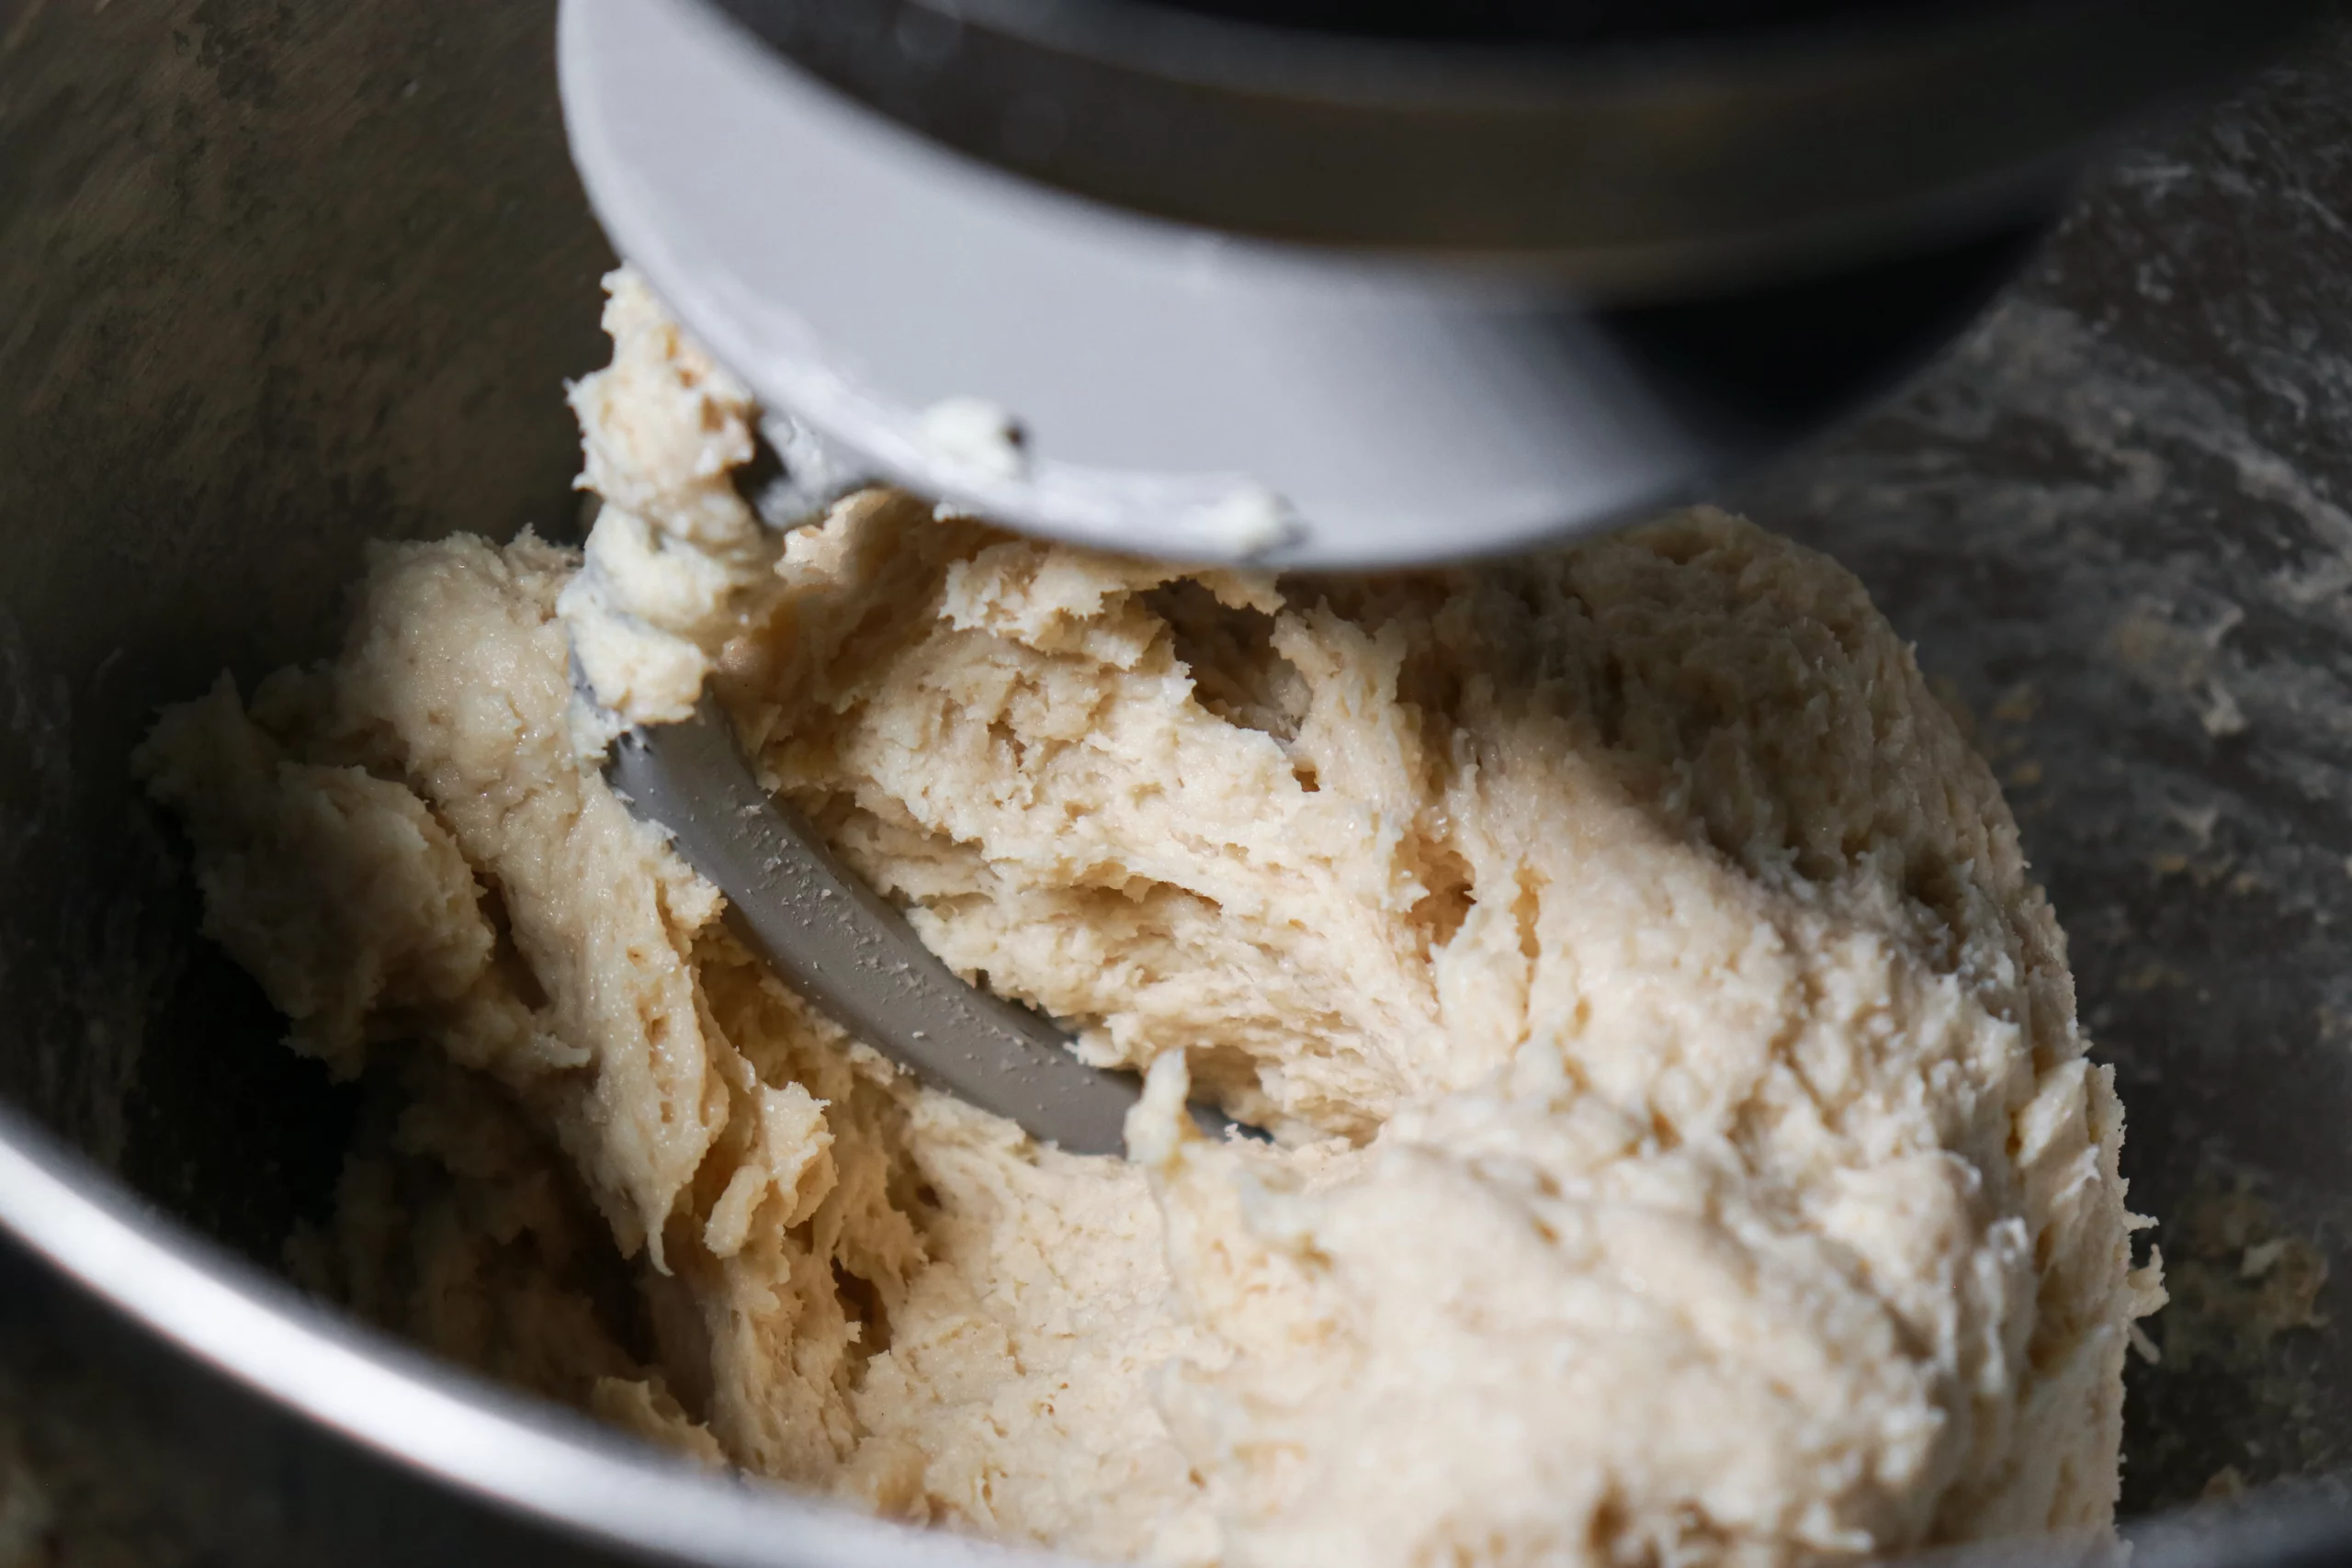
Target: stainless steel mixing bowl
x,y
278,278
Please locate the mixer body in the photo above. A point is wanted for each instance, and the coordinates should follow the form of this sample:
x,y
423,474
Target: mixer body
x,y
1226,290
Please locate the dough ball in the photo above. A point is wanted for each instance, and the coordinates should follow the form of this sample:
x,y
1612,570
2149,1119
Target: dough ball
x,y
1687,1148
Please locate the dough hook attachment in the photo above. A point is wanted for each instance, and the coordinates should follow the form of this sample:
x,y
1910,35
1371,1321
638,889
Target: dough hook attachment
x,y
837,941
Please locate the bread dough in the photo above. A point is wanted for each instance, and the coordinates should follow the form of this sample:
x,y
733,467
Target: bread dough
x,y
1688,1151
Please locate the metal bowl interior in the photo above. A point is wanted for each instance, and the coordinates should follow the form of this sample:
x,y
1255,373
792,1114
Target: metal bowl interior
x,y
285,279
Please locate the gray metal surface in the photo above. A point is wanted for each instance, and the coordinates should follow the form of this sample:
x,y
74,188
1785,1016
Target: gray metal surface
x,y
841,945
283,278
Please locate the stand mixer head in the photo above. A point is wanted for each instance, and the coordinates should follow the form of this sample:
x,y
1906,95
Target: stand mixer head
x,y
1340,284
1153,281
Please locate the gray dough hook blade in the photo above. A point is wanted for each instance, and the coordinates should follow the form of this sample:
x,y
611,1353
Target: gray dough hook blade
x,y
837,941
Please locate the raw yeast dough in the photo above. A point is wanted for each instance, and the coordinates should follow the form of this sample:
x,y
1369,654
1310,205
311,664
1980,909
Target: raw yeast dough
x,y
1686,1149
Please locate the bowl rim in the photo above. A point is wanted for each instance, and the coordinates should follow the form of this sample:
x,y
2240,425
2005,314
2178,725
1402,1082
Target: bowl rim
x,y
572,1476
523,1456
